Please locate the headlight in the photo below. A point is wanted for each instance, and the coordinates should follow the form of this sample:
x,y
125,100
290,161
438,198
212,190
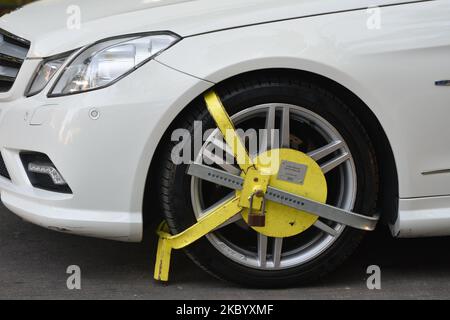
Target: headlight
x,y
104,63
44,74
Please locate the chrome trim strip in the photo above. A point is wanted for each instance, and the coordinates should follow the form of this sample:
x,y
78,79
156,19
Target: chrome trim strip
x,y
9,72
24,42
10,59
8,79
441,171
442,83
13,52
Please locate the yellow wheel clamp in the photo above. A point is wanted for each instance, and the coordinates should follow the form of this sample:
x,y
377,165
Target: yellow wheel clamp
x,y
280,193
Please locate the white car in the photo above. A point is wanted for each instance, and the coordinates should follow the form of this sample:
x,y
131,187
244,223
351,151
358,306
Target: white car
x,y
91,93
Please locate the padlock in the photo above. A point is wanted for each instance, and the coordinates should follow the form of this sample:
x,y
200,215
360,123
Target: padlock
x,y
257,219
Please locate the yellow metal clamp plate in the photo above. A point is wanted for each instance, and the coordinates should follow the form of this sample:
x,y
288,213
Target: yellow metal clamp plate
x,y
283,221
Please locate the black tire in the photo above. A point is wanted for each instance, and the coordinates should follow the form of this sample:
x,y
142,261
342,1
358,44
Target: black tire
x,y
175,183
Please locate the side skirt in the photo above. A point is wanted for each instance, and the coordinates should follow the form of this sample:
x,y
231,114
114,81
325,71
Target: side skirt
x,y
423,217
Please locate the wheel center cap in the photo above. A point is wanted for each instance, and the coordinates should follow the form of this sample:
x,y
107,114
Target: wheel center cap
x,y
295,172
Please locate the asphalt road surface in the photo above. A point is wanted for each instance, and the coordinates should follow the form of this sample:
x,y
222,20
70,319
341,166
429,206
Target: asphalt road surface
x,y
33,264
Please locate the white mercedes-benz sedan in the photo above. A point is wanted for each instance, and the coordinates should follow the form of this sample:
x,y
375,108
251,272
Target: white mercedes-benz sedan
x,y
98,100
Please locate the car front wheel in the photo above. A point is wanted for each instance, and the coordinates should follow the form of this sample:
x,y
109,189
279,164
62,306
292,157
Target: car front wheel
x,y
310,120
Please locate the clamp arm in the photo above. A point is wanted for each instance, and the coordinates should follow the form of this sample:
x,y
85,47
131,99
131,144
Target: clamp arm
x,y
205,225
335,214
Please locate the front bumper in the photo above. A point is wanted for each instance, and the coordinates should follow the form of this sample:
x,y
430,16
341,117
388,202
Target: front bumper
x,y
104,161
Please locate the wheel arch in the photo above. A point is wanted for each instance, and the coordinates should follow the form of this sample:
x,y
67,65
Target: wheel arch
x,y
387,204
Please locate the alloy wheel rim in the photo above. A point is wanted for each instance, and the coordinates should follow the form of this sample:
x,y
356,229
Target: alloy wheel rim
x,y
330,151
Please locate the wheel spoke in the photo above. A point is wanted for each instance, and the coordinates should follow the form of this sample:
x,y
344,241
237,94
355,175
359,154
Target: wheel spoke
x,y
224,160
326,150
262,250
285,129
235,219
216,205
277,249
326,228
218,142
330,165
268,140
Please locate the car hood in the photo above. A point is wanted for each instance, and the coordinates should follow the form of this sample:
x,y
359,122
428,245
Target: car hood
x,y
51,25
